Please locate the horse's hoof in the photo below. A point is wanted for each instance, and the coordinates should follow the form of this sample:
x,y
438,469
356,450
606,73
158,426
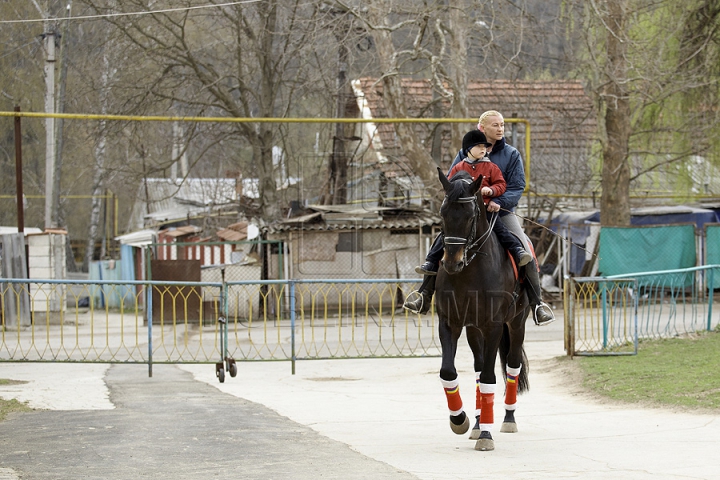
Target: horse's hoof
x,y
485,443
509,427
463,427
474,434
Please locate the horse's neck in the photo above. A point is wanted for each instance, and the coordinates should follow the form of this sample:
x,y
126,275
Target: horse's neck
x,y
481,224
483,231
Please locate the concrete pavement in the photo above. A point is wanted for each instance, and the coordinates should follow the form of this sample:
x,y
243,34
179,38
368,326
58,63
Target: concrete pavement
x,y
372,418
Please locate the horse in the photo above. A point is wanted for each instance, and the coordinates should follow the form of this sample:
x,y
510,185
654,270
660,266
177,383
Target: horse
x,y
477,288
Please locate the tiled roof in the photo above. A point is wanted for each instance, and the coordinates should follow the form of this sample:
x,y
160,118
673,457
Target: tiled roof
x,y
234,233
561,116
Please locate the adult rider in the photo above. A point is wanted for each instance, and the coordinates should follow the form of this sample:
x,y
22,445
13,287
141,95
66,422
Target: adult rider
x,y
508,159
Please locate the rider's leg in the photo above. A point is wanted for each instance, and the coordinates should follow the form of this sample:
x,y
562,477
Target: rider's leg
x,y
542,313
432,259
421,303
511,243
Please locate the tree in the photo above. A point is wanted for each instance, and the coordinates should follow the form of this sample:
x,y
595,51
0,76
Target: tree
x,y
448,43
246,60
650,68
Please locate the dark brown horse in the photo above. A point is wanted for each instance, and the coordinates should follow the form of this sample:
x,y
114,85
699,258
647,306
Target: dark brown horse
x,y
478,289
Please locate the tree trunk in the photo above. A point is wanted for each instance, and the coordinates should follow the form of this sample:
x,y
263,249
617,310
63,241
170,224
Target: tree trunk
x,y
615,200
393,97
459,76
100,159
267,186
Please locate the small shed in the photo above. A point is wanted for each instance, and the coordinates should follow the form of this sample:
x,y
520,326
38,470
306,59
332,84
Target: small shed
x,y
346,241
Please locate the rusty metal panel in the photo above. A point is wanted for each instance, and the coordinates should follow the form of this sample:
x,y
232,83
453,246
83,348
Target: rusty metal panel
x,y
171,304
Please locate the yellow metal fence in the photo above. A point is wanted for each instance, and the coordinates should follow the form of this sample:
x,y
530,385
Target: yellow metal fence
x,y
175,322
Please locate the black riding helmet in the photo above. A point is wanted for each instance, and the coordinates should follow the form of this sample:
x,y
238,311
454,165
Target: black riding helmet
x,y
472,138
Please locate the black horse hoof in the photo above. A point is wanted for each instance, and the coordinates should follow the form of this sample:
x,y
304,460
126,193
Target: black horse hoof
x,y
459,424
485,442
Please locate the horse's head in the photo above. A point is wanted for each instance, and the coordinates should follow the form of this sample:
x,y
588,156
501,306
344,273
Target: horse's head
x,y
459,213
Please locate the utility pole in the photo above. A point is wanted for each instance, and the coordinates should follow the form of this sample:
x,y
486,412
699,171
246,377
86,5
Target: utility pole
x,y
49,124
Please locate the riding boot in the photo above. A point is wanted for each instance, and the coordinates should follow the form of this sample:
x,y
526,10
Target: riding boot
x,y
542,313
432,259
521,256
424,296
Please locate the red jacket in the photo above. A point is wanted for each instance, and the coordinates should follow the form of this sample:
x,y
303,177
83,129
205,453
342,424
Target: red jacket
x,y
492,176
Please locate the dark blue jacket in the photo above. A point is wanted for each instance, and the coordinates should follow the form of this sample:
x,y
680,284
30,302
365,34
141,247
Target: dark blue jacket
x,y
508,159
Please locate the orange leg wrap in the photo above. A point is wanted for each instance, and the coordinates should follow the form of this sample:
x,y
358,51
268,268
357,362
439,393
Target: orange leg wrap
x,y
486,410
511,390
452,393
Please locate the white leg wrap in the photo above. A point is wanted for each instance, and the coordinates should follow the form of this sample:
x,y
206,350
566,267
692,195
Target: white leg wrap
x,y
449,383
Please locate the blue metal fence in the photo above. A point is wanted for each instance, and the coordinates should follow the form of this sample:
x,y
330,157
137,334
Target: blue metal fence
x,y
609,315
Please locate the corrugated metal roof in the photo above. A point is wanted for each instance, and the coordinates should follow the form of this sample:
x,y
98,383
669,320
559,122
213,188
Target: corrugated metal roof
x,y
350,217
163,199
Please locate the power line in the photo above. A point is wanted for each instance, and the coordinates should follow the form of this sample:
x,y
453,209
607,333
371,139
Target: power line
x,y
130,14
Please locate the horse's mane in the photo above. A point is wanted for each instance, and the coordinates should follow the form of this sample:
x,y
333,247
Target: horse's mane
x,y
459,184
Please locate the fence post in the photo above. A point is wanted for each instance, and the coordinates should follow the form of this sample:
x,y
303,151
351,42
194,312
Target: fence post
x,y
225,310
603,297
710,298
291,288
570,316
148,309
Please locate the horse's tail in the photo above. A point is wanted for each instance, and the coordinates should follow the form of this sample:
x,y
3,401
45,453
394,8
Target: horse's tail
x,y
523,380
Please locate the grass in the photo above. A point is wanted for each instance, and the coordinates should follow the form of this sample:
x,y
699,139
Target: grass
x,y
679,373
9,406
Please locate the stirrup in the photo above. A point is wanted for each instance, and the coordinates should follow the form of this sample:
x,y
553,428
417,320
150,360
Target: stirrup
x,y
419,308
535,316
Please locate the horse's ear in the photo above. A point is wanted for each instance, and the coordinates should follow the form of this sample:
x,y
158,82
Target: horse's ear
x,y
443,179
476,184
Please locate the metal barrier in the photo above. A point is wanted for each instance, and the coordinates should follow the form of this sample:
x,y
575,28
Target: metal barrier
x,y
179,322
608,315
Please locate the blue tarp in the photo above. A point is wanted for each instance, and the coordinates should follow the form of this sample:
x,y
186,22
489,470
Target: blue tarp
x,y
113,296
578,228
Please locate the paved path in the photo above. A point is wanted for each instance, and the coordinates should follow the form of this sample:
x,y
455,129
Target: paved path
x,y
375,418
172,427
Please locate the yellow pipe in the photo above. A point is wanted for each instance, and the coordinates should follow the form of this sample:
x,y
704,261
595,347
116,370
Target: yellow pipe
x,y
158,118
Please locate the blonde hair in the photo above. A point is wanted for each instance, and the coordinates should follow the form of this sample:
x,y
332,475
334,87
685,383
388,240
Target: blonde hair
x,y
485,115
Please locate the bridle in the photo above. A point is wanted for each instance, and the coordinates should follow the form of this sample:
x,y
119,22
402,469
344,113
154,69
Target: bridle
x,y
471,243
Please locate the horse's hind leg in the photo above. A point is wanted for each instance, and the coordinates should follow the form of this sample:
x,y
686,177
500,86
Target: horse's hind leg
x,y
511,388
459,422
515,376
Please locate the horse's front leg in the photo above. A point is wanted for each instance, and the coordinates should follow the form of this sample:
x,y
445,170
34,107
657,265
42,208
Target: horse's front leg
x,y
475,340
459,422
486,388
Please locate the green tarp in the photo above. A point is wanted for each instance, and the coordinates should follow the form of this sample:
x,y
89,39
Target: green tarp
x,y
712,251
646,249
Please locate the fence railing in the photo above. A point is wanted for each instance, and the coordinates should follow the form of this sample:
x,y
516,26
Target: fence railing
x,y
179,322
609,315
